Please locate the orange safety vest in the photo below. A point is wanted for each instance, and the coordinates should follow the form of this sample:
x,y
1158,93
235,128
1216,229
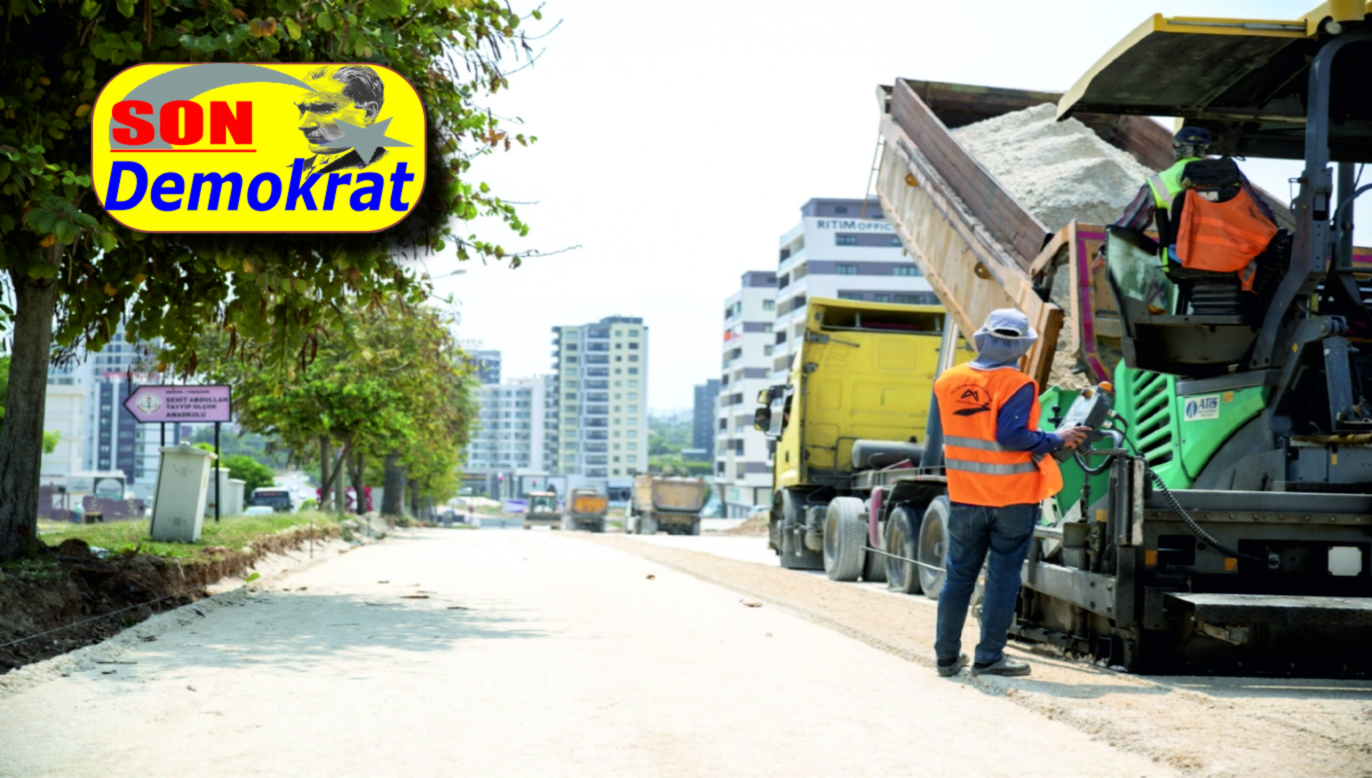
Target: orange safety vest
x,y
1223,237
981,471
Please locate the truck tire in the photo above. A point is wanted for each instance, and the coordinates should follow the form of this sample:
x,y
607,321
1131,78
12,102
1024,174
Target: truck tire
x,y
695,528
902,539
647,525
933,547
598,526
873,567
789,509
845,539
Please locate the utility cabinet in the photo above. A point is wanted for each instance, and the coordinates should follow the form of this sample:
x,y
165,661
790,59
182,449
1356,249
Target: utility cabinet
x,y
183,480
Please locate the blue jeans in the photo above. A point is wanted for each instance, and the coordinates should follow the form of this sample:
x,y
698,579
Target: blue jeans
x,y
974,530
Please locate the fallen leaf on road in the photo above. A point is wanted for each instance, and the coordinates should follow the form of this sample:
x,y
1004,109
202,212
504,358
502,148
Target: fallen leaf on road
x,y
458,608
190,688
651,576
148,638
114,662
414,597
383,581
108,672
751,604
303,588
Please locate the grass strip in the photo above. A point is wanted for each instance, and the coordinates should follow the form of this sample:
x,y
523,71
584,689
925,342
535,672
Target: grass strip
x,y
231,532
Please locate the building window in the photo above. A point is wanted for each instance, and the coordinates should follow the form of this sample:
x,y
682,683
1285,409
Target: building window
x,y
633,371
769,305
905,270
633,357
881,298
839,209
633,346
846,270
895,242
845,240
849,296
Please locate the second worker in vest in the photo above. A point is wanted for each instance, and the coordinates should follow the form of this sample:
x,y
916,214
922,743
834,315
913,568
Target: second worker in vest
x,y
999,470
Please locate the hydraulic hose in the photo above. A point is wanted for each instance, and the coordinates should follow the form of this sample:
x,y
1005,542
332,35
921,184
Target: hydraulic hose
x,y
1191,523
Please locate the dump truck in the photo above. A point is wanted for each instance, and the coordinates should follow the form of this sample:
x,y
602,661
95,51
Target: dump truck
x,y
858,397
542,511
586,509
1220,520
671,505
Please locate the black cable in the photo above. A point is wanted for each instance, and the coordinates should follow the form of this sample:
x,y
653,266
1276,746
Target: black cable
x,y
181,593
1191,523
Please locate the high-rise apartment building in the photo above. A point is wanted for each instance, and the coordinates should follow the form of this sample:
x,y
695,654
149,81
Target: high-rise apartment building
x,y
510,439
86,404
742,475
602,399
484,362
703,416
843,249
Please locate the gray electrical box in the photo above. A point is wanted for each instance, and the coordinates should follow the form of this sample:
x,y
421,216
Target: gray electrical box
x,y
183,479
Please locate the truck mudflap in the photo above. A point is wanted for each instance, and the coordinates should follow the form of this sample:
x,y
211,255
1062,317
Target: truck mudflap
x,y
1237,610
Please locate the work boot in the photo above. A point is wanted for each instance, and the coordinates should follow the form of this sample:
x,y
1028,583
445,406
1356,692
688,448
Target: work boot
x,y
1006,667
954,667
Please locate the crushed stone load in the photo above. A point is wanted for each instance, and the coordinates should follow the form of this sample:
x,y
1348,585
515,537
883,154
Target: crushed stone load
x,y
1059,171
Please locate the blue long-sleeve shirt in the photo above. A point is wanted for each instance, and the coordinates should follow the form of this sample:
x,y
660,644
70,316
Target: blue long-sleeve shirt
x,y
1012,425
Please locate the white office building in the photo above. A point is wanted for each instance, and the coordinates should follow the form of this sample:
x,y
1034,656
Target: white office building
x,y
843,249
602,401
743,477
511,436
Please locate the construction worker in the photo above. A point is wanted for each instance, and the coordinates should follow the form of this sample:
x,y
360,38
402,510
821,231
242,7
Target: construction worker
x,y
1153,203
999,470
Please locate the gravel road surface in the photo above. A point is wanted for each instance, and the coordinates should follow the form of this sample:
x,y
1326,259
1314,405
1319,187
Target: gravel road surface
x,y
445,652
1198,725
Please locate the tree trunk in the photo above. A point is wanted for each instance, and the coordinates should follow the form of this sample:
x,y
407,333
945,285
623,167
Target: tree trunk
x,y
325,454
393,501
358,475
21,438
414,498
340,489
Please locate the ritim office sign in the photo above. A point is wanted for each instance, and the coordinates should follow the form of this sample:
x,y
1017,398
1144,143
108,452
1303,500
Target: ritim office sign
x,y
223,147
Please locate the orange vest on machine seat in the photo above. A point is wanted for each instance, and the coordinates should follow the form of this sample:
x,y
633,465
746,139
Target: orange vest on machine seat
x,y
1223,237
980,471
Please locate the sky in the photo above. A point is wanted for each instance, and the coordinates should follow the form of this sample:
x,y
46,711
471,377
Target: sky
x,y
677,141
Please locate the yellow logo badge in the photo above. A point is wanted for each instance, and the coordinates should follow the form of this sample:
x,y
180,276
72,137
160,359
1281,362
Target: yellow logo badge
x,y
225,147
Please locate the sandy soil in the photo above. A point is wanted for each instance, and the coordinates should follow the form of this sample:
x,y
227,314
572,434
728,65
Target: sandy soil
x,y
522,653
1200,726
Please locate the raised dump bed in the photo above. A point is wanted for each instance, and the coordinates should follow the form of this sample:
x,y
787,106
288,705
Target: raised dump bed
x,y
669,504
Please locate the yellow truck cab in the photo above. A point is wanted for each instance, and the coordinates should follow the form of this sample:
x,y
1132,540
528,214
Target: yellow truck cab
x,y
857,399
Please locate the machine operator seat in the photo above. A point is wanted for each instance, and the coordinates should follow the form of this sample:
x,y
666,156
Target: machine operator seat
x,y
1180,320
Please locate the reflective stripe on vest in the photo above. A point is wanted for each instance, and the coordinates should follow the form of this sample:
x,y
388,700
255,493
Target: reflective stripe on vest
x,y
986,468
981,471
976,443
1166,185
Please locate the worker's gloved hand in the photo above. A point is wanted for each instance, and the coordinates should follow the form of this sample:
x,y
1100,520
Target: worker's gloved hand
x,y
1073,436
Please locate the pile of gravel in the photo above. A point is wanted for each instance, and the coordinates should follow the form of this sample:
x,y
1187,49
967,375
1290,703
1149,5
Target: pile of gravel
x,y
1059,171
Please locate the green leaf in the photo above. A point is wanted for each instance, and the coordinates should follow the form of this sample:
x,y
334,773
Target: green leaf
x,y
292,29
325,21
255,576
126,7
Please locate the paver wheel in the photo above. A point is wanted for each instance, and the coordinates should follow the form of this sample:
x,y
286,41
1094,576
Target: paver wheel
x,y
933,547
845,539
902,539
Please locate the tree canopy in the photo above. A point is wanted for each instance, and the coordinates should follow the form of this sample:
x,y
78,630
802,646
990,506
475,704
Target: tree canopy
x,y
67,262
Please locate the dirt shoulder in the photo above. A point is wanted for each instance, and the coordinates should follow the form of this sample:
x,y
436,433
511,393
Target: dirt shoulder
x,y
1200,726
79,594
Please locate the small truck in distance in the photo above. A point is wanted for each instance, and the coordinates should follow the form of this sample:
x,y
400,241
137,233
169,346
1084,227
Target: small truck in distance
x,y
542,511
669,504
586,509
